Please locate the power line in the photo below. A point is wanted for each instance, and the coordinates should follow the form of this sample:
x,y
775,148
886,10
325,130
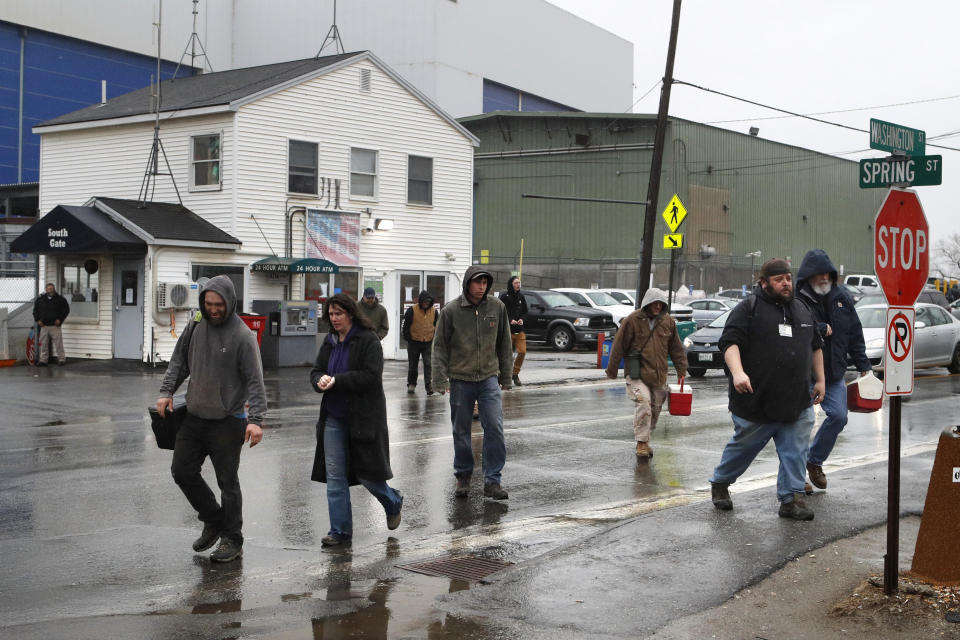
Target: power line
x,y
850,110
640,99
792,113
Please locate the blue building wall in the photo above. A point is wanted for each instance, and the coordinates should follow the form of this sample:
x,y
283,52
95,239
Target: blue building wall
x,y
60,75
500,97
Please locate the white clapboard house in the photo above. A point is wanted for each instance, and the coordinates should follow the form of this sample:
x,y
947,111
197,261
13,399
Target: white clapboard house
x,y
297,179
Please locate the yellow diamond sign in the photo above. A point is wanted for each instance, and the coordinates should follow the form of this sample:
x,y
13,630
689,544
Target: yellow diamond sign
x,y
673,241
675,212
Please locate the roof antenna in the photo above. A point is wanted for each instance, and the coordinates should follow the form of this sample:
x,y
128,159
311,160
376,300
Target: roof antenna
x,y
149,184
192,45
333,36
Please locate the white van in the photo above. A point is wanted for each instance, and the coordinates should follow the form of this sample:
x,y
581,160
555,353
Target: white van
x,y
868,283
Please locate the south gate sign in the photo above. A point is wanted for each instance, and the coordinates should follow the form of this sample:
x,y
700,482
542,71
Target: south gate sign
x,y
901,247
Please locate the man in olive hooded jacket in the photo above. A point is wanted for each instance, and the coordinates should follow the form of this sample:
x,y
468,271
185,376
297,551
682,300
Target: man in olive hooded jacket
x,y
473,358
220,355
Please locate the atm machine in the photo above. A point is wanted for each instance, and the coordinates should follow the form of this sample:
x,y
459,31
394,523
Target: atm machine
x,y
290,339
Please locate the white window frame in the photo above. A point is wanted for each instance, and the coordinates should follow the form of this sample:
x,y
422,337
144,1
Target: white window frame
x,y
193,162
60,280
316,192
432,173
375,174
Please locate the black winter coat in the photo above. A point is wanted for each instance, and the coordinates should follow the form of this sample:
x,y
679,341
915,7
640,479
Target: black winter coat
x,y
49,310
368,451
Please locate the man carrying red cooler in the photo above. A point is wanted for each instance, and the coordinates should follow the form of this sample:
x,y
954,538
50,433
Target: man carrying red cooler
x,y
840,329
650,335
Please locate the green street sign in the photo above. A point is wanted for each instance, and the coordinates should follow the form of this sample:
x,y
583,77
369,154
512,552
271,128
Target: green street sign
x,y
916,171
887,136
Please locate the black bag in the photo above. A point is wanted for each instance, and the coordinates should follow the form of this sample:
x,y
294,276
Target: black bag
x,y
633,361
165,428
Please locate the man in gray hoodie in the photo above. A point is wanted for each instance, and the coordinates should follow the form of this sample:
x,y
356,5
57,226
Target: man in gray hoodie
x,y
219,353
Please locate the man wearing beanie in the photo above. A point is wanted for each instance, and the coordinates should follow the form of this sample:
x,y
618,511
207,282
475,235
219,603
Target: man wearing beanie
x,y
771,349
374,312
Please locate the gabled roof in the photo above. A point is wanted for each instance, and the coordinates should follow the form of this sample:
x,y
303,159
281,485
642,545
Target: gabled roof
x,y
164,223
228,91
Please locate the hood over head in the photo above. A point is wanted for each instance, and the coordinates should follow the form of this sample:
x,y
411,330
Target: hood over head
x,y
815,261
424,296
510,290
222,285
654,295
472,272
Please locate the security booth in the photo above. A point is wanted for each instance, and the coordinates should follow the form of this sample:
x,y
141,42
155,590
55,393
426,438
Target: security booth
x,y
290,338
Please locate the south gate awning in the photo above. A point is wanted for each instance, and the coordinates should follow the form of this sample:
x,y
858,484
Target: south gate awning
x,y
275,264
69,229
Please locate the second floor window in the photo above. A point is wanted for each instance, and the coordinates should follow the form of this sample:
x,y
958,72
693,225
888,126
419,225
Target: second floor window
x,y
302,174
419,180
206,161
363,173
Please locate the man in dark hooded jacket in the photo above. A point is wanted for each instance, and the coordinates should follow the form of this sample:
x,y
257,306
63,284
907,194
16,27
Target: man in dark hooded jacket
x,y
223,363
418,327
473,359
842,334
516,311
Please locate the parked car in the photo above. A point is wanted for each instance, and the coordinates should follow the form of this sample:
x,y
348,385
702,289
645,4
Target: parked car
x,y
680,312
936,341
868,283
553,318
955,308
707,310
597,299
855,293
927,296
702,349
733,294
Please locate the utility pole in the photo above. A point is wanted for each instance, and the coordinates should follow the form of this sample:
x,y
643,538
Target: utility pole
x,y
650,216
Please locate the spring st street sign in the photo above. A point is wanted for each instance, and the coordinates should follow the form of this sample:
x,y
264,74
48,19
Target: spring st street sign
x,y
916,171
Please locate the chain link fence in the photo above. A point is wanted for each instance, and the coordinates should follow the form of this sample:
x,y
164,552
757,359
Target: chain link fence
x,y
18,289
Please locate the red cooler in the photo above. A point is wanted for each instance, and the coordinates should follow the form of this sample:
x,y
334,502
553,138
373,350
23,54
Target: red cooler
x,y
680,400
865,394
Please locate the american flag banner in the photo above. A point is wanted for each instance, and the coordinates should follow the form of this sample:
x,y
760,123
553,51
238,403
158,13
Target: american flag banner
x,y
334,236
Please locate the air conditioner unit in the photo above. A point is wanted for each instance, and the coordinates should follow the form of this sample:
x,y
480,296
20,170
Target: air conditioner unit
x,y
178,295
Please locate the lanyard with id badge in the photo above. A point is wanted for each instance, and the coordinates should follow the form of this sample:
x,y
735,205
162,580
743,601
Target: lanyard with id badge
x,y
786,330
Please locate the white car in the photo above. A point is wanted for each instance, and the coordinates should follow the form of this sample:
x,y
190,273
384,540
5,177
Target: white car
x,y
680,312
936,337
706,310
598,300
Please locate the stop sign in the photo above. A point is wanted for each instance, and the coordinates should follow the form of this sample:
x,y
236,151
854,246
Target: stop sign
x,y
901,248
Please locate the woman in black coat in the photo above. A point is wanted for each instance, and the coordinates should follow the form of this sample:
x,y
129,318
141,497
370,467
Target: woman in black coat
x,y
352,442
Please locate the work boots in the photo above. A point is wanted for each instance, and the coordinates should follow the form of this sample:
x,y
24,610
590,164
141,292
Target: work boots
x,y
720,494
208,538
516,381
644,450
463,486
495,491
817,476
796,509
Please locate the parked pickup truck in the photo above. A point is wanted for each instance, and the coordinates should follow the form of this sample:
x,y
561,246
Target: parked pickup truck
x,y
555,319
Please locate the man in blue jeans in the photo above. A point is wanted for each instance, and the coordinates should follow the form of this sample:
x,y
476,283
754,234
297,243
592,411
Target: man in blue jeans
x,y
842,334
771,349
473,359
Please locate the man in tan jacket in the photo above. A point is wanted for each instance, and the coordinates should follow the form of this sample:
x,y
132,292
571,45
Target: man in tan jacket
x,y
418,327
651,332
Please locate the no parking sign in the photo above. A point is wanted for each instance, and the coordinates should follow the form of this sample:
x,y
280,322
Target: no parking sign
x,y
898,359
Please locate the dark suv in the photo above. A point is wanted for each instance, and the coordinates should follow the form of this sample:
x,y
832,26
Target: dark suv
x,y
554,318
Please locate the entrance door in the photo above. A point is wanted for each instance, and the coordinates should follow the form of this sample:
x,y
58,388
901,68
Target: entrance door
x,y
128,309
411,284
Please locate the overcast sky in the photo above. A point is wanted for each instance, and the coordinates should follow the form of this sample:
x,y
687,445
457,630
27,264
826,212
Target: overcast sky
x,y
809,57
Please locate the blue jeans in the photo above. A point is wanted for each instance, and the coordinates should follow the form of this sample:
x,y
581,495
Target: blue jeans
x,y
335,443
487,395
834,404
748,440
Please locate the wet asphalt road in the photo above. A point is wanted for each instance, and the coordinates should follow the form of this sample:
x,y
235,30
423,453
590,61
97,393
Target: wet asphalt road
x,y
95,536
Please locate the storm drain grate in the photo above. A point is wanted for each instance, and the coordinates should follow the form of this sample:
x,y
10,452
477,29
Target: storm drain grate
x,y
469,568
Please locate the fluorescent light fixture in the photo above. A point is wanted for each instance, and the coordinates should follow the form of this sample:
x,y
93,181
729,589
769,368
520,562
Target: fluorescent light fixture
x,y
383,224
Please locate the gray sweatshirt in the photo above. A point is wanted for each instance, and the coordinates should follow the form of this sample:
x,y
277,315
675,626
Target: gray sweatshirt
x,y
223,363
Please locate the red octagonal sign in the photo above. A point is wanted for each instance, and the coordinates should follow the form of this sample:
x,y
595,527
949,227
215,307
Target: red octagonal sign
x,y
901,247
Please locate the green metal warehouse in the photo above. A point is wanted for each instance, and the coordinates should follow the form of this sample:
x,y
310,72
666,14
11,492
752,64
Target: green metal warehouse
x,y
747,199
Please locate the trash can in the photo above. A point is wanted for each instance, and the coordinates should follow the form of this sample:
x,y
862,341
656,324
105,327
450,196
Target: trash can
x,y
605,353
684,328
256,323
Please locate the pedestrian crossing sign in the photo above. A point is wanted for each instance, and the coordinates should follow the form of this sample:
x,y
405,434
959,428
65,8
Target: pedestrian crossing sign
x,y
673,241
674,214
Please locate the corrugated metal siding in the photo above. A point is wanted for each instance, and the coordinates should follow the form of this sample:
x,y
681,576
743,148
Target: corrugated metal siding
x,y
766,187
61,75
